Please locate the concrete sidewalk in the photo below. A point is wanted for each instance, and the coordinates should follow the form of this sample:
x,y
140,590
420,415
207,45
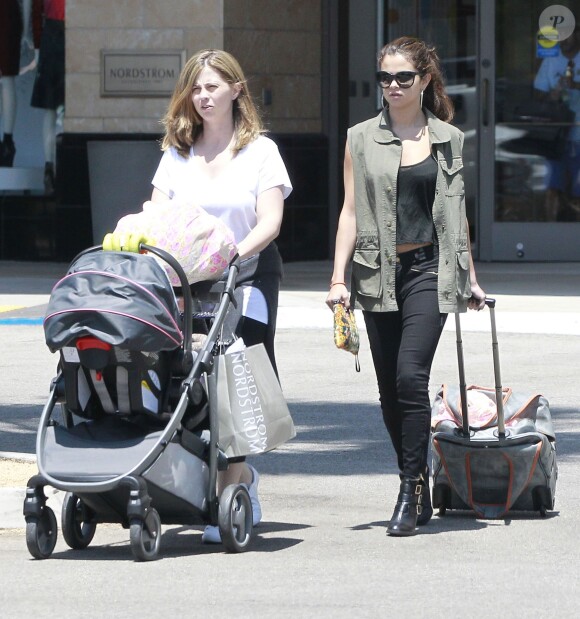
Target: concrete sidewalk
x,y
326,496
532,299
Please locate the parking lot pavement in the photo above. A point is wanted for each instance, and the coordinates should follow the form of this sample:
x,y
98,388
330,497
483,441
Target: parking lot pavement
x,y
326,495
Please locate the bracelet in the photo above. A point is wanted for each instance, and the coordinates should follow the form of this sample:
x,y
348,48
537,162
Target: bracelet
x,y
337,284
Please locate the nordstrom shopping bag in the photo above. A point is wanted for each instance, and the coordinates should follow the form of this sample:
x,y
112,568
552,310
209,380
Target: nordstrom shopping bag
x,y
253,414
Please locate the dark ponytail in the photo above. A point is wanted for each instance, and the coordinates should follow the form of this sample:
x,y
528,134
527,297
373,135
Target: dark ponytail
x,y
425,59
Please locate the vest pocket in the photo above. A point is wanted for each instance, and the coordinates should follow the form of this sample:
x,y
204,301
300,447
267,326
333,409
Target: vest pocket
x,y
453,173
366,271
462,275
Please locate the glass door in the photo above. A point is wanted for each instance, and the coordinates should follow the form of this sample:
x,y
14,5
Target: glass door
x,y
451,26
529,144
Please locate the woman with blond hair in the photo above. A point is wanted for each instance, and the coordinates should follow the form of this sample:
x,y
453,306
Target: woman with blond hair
x,y
216,156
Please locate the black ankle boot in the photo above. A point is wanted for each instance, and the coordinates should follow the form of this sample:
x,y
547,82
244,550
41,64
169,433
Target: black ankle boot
x,y
407,509
426,507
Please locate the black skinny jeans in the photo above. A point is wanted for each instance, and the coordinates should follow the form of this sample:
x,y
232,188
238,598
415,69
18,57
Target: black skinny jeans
x,y
403,344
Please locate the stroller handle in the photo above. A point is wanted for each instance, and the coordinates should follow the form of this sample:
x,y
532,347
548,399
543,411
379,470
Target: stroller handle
x,y
187,300
234,268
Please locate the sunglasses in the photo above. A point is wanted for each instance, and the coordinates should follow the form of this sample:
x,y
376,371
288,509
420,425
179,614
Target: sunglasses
x,y
404,79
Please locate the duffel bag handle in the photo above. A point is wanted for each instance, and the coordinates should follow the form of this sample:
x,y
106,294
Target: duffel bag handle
x,y
490,302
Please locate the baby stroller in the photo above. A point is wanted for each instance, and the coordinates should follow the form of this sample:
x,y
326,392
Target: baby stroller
x,y
129,446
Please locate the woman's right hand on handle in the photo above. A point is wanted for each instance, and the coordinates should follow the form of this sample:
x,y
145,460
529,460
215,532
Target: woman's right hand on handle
x,y
338,293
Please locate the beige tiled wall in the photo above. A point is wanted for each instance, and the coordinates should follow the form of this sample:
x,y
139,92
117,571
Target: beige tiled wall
x,y
128,24
278,43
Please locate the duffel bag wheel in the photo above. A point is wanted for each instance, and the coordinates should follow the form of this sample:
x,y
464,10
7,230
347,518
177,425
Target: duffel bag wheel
x,y
78,527
441,498
145,537
235,518
41,534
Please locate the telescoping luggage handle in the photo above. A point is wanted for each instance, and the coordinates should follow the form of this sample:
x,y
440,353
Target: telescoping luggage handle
x,y
496,370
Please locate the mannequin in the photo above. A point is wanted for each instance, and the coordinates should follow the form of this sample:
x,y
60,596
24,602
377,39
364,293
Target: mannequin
x,y
14,28
48,90
7,146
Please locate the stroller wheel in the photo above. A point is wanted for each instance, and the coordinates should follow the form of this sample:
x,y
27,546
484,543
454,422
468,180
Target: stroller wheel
x,y
78,527
235,518
145,536
41,534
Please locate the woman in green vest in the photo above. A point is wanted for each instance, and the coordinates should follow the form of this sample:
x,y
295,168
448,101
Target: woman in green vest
x,y
403,224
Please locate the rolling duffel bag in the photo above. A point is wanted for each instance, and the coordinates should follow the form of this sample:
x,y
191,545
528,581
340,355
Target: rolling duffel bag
x,y
493,448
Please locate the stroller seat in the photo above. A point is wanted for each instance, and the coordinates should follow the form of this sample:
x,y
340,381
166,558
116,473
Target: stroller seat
x,y
97,450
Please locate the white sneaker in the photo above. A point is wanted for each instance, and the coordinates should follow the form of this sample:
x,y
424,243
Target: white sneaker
x,y
211,535
253,491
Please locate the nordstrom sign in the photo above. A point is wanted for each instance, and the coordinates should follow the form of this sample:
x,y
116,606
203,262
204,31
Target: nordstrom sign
x,y
140,73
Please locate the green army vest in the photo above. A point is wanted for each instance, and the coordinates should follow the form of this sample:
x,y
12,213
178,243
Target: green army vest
x,y
376,156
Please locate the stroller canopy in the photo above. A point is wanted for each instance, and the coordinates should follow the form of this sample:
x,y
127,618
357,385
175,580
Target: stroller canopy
x,y
124,299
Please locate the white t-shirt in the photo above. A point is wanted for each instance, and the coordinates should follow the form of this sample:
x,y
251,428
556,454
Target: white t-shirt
x,y
232,195
551,71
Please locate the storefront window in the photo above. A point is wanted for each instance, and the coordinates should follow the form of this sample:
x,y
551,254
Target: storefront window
x,y
537,161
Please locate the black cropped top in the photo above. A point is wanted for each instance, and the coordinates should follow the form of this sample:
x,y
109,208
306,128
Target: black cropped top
x,y
415,197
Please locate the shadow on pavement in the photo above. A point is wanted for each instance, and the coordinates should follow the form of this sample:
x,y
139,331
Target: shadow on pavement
x,y
332,439
350,439
181,541
18,426
464,522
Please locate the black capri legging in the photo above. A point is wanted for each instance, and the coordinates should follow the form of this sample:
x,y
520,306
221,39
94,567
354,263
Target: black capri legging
x,y
403,344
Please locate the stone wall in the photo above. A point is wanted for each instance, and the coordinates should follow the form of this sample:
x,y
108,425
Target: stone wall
x,y
128,24
278,43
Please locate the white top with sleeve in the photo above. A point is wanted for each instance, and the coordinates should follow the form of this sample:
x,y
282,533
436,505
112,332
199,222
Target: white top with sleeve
x,y
232,195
